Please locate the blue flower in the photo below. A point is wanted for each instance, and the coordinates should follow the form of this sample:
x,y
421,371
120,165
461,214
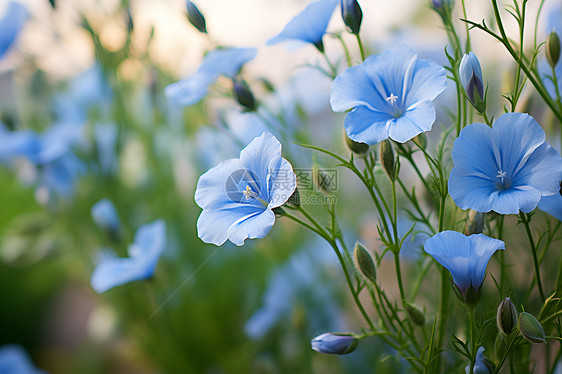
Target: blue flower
x,y
105,216
334,344
144,253
11,25
14,360
309,25
227,62
238,195
506,168
464,256
391,95
472,81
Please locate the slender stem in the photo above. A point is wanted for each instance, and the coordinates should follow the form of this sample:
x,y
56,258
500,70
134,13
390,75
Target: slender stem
x,y
345,50
526,218
485,116
332,67
472,338
361,48
513,336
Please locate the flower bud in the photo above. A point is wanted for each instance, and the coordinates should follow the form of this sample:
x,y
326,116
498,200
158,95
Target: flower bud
x,y
475,223
471,80
364,262
416,314
421,140
195,17
531,328
322,180
386,154
243,94
334,344
359,149
553,49
351,14
507,316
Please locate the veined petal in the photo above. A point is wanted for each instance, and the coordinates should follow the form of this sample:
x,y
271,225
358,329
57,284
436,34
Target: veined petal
x,y
470,191
524,198
473,151
282,184
354,88
309,25
428,82
213,225
211,188
365,126
542,170
252,226
552,205
414,121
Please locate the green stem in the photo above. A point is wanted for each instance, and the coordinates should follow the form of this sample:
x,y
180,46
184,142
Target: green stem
x,y
361,48
472,338
525,219
332,67
485,116
345,50
513,336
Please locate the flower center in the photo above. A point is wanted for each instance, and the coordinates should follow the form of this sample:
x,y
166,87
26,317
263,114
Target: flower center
x,y
392,99
249,193
501,175
504,182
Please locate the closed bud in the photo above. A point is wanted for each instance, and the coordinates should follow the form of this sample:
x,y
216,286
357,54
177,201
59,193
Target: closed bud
x,y
322,180
472,81
531,328
364,262
334,344
386,154
416,314
195,17
553,49
243,94
421,140
351,14
507,316
356,147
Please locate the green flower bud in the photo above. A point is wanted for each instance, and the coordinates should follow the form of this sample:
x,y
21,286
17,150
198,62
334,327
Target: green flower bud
x,y
475,223
386,154
416,314
553,49
507,316
356,147
243,94
364,262
421,140
531,328
195,17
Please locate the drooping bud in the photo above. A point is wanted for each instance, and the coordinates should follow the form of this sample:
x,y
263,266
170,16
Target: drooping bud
x,y
334,344
359,149
531,328
243,94
471,80
386,154
507,316
364,262
553,49
195,17
351,14
416,314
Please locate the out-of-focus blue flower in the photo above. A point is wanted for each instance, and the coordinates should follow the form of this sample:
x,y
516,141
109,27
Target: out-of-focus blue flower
x,y
309,25
238,195
105,139
506,168
14,360
105,216
552,205
466,257
391,95
227,62
333,344
14,144
471,79
294,283
480,366
11,24
144,253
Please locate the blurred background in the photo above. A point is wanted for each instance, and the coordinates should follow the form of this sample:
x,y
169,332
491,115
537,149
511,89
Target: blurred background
x,y
85,79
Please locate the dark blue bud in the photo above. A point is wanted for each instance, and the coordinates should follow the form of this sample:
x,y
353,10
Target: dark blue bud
x,y
471,79
243,94
333,344
351,14
195,17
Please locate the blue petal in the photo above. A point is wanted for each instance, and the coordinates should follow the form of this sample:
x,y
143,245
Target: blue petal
x,y
213,225
281,184
354,87
474,153
116,272
105,215
150,240
552,205
511,201
14,360
11,25
309,25
414,121
470,191
429,80
211,187
227,61
542,170
252,226
366,126
14,144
